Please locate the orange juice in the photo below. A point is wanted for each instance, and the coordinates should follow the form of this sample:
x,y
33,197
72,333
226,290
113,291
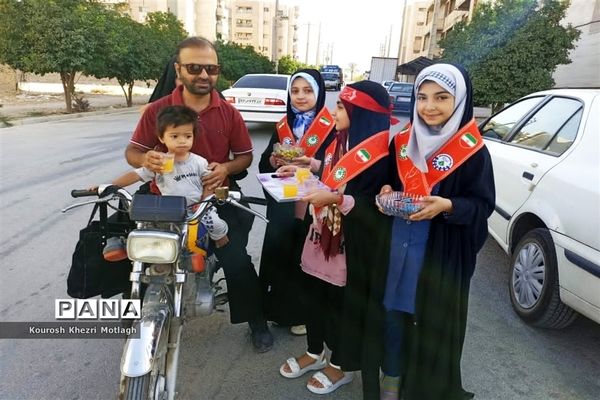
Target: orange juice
x,y
290,190
302,174
168,163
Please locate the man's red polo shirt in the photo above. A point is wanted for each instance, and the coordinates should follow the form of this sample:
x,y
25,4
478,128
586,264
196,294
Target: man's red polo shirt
x,y
221,128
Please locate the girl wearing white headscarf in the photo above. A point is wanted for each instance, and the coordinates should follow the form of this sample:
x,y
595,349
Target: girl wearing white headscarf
x,y
441,156
280,274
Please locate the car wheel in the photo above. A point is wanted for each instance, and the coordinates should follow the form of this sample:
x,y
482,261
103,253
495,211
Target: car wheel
x,y
533,282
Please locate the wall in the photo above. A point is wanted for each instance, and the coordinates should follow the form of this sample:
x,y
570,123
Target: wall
x,y
584,71
8,81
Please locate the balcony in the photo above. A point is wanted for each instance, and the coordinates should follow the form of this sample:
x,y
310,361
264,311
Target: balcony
x,y
453,18
462,5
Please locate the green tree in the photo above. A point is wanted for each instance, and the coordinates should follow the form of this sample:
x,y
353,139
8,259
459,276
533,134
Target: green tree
x,y
511,48
237,61
168,31
136,51
44,36
287,65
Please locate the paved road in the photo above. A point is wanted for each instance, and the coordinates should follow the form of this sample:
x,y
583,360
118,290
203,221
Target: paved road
x,y
39,164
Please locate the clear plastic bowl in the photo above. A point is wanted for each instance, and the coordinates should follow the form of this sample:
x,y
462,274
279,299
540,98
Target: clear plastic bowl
x,y
399,204
287,152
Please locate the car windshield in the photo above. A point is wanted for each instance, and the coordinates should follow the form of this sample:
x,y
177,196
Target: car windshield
x,y
402,88
262,82
329,76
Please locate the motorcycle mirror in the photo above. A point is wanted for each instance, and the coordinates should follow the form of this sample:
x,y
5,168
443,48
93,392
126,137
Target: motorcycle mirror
x,y
222,193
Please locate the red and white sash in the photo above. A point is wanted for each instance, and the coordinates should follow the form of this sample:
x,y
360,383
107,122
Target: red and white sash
x,y
355,161
314,136
466,142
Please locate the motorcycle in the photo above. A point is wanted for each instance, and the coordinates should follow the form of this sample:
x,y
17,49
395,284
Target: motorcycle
x,y
163,278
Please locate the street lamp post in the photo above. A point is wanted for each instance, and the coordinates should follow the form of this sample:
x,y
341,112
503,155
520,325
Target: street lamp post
x,y
275,41
307,42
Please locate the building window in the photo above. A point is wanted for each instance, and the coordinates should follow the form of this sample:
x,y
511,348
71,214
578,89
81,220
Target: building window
x,y
266,9
243,36
418,44
422,9
420,23
243,23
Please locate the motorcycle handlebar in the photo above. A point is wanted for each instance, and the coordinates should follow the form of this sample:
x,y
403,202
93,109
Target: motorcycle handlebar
x,y
254,200
83,192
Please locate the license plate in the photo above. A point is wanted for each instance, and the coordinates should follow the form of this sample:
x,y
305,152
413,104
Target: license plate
x,y
403,99
250,100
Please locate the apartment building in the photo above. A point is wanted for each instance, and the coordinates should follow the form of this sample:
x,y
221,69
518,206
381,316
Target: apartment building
x,y
584,70
246,22
424,20
252,24
185,10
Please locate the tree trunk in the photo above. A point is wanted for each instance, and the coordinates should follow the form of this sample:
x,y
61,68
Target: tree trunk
x,y
130,94
127,92
497,107
68,83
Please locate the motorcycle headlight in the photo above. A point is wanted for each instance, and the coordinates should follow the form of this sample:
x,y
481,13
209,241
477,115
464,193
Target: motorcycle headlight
x,y
153,247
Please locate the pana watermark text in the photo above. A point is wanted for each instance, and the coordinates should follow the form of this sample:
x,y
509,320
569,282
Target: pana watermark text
x,y
94,309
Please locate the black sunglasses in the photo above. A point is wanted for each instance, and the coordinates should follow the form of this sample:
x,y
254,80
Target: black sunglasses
x,y
196,69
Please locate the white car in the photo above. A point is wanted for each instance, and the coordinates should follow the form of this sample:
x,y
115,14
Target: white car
x,y
259,97
387,84
545,151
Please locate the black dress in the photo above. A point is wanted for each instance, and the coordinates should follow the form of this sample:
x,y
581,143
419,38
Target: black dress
x,y
280,274
367,236
434,340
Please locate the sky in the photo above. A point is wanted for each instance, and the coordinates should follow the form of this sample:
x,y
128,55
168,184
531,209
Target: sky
x,y
356,30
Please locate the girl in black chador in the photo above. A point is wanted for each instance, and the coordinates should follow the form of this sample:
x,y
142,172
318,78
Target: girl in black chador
x,y
441,156
345,255
307,124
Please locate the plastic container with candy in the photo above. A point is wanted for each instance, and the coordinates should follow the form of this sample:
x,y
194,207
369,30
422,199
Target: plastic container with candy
x,y
287,152
399,204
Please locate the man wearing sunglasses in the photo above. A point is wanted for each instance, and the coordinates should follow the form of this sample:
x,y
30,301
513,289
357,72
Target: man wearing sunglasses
x,y
221,132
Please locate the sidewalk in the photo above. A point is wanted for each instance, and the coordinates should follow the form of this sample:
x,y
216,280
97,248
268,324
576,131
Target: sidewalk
x,y
41,102
44,102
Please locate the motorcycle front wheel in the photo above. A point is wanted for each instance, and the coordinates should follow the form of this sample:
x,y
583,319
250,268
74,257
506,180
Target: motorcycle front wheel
x,y
139,387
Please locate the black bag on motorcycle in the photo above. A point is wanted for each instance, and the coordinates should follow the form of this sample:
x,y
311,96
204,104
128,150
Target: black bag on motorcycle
x,y
90,274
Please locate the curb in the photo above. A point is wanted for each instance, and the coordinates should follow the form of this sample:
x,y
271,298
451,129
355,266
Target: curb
x,y
60,117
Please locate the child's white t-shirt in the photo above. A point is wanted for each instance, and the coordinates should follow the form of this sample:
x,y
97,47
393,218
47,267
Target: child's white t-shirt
x,y
186,180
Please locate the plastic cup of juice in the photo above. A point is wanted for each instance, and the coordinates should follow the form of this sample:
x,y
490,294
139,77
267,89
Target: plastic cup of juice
x,y
302,174
290,190
168,162
310,184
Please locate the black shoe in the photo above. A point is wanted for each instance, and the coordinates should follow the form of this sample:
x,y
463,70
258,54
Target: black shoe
x,y
262,339
468,395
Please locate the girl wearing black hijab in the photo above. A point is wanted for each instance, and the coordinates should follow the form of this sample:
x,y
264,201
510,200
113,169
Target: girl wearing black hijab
x,y
308,124
440,156
346,251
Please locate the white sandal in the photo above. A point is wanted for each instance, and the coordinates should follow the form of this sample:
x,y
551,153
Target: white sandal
x,y
329,386
292,362
298,330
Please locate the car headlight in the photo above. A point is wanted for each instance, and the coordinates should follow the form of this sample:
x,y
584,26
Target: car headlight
x,y
153,247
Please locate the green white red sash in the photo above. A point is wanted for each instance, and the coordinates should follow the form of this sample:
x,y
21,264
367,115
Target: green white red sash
x,y
466,142
355,161
314,136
